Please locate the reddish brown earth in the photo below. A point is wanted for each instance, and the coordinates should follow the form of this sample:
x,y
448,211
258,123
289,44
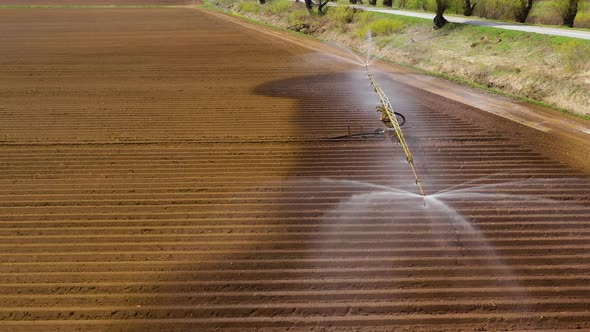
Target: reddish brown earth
x,y
97,2
167,169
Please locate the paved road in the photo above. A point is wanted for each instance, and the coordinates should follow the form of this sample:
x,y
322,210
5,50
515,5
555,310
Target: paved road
x,y
499,25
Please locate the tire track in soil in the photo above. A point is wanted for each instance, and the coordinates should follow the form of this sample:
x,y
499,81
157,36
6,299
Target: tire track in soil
x,y
192,210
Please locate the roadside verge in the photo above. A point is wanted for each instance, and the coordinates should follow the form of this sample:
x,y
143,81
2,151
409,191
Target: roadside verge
x,y
547,70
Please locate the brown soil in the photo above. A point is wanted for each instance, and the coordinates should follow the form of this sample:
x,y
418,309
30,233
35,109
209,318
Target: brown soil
x,y
169,169
97,2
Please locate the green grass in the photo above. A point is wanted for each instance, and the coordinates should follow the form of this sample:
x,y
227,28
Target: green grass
x,y
249,7
382,27
341,16
277,6
405,19
297,16
362,19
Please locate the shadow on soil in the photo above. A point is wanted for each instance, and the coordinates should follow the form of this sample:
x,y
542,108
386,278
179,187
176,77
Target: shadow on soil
x,y
316,224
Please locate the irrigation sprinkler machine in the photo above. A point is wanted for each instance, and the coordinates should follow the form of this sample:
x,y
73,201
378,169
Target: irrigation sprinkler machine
x,y
390,118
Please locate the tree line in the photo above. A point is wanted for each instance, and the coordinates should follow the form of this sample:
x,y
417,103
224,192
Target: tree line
x,y
518,10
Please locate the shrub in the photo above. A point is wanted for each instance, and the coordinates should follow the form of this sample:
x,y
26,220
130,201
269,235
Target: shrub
x,y
426,5
224,3
382,27
362,21
249,7
298,16
582,20
341,14
363,18
497,9
277,6
544,13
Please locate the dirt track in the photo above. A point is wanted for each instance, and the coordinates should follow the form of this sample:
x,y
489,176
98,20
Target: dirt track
x,y
164,169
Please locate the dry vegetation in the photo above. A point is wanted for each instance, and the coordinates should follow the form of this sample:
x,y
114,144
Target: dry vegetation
x,y
551,70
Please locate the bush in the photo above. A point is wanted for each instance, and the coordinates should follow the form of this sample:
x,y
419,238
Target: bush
x,y
382,27
363,18
497,9
248,7
582,20
277,6
341,16
298,16
426,5
362,21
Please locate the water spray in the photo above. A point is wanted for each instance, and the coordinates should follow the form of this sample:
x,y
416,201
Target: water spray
x,y
388,110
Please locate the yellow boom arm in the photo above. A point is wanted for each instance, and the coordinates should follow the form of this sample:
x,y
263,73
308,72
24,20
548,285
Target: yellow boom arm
x,y
398,131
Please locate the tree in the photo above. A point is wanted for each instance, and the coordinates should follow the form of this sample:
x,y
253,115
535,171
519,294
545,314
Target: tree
x,y
373,2
468,7
567,9
441,7
321,4
388,3
523,9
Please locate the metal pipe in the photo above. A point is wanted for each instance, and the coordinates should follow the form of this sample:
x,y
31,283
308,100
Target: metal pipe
x,y
396,126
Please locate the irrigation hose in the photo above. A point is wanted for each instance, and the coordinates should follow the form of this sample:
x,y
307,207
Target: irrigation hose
x,y
396,126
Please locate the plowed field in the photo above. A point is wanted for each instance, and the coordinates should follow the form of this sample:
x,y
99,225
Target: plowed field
x,y
169,169
98,2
